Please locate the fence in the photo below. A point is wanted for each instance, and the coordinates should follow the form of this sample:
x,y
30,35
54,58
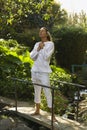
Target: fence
x,y
81,71
74,66
53,88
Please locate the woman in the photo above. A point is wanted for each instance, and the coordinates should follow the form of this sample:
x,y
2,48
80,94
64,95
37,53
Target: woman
x,y
41,54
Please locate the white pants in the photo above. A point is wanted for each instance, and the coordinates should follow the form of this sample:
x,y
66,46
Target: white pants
x,y
42,78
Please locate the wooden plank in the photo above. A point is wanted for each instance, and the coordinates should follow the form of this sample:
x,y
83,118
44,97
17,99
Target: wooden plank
x,y
36,119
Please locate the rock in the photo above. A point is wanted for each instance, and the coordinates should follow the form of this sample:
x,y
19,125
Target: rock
x,y
6,124
22,127
42,128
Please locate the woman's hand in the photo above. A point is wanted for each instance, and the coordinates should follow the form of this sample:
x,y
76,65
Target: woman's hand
x,y
41,45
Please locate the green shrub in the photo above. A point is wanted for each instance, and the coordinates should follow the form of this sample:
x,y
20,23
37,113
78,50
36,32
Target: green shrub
x,y
59,74
14,62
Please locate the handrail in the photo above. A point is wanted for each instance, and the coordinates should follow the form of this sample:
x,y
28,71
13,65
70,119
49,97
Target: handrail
x,y
58,81
68,83
51,87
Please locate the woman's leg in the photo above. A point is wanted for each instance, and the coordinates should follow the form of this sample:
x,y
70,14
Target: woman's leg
x,y
48,94
37,93
37,99
47,91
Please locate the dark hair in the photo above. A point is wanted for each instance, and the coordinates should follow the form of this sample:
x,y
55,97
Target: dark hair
x,y
48,34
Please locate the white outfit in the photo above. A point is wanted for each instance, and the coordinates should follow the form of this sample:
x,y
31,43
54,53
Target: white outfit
x,y
41,69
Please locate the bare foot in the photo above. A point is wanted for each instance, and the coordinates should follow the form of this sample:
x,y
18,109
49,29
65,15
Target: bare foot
x,y
35,113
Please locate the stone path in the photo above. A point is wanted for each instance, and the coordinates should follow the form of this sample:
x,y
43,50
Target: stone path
x,y
25,109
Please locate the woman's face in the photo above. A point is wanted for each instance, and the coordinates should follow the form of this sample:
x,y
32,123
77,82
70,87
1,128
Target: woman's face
x,y
42,33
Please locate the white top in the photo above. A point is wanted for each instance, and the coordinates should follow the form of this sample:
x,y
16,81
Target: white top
x,y
42,58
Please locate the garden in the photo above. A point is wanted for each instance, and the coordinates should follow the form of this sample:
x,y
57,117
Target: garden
x,y
18,34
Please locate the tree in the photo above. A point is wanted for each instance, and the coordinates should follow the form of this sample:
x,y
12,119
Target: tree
x,y
78,19
70,45
17,15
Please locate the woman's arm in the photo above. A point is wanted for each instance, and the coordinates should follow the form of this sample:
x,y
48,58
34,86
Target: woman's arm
x,y
34,52
48,51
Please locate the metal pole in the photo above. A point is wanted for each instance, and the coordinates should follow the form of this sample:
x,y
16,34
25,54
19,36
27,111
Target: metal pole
x,y
15,97
78,94
52,109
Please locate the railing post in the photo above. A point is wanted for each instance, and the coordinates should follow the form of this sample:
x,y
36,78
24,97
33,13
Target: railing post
x,y
77,104
52,109
15,97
